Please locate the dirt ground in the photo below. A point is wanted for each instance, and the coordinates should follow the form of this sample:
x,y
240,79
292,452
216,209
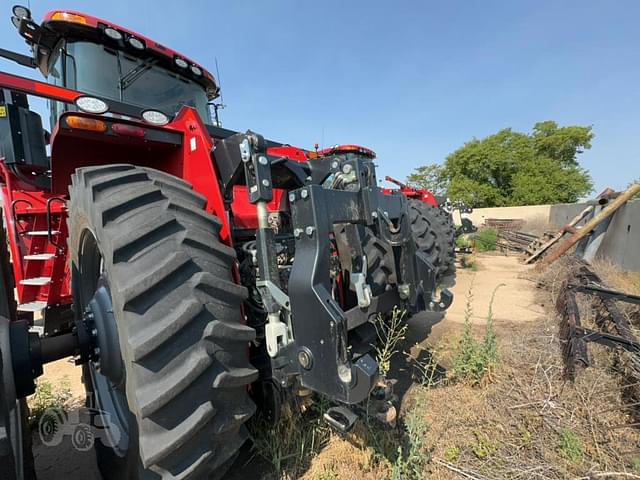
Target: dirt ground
x,y
515,306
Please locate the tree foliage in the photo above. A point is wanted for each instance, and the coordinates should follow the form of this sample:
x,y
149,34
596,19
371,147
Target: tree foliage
x,y
513,168
430,177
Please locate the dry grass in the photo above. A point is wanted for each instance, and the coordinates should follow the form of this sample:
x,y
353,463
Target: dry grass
x,y
518,425
617,278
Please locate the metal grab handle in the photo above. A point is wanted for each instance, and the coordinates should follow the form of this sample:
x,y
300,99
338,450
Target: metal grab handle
x,y
49,231
14,214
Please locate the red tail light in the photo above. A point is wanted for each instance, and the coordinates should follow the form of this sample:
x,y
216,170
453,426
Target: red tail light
x,y
127,130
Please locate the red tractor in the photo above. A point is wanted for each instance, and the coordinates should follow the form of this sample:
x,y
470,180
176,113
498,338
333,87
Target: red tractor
x,y
193,272
434,212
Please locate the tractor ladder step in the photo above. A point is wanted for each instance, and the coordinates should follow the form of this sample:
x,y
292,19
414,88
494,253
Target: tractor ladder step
x,y
41,233
40,256
38,281
36,306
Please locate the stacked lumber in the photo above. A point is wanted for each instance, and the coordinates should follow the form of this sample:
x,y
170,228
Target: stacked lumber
x,y
515,241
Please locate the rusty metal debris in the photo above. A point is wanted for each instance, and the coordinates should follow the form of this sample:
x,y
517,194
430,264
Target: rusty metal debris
x,y
614,330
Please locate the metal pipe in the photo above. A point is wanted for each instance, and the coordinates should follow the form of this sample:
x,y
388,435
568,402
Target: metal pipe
x,y
263,215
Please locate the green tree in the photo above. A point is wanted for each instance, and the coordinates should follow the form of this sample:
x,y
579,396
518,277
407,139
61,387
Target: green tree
x,y
513,168
430,177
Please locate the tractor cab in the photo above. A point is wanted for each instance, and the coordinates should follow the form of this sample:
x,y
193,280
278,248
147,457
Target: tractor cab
x,y
83,53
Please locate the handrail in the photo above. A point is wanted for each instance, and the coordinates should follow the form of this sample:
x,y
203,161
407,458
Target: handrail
x,y
49,230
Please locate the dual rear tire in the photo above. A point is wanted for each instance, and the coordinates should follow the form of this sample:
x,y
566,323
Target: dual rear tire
x,y
434,234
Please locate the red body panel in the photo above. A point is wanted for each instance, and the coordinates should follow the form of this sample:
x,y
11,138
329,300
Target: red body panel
x,y
244,213
416,193
37,88
292,153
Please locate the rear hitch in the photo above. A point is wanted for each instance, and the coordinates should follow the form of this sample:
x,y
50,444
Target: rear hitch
x,y
379,406
341,418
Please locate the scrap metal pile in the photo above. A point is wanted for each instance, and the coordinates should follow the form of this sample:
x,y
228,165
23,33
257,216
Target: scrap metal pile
x,y
613,328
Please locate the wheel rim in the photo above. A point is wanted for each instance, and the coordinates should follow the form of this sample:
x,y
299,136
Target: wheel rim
x,y
94,296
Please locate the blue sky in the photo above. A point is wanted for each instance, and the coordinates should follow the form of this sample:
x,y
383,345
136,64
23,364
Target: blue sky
x,y
412,80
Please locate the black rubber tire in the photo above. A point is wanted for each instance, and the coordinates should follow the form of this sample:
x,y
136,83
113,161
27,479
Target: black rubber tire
x,y
446,232
380,260
15,435
421,217
177,310
435,235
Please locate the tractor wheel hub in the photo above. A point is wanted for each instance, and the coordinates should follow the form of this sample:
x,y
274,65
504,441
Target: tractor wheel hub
x,y
103,348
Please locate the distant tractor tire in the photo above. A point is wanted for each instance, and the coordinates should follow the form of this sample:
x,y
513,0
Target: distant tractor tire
x,y
422,218
169,381
16,457
446,232
434,233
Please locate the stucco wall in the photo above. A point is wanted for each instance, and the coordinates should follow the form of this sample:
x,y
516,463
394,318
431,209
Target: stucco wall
x,y
621,243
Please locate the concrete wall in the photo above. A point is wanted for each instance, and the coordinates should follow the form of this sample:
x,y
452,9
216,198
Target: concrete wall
x,y
561,214
531,214
621,243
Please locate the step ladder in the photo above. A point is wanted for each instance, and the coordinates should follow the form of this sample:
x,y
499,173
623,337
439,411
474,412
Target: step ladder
x,y
40,249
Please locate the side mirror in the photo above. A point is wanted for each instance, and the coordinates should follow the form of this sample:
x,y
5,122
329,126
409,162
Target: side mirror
x,y
21,12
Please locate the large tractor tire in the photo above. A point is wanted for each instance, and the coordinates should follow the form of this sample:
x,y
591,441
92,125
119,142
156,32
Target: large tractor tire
x,y
446,232
422,218
16,457
434,234
170,383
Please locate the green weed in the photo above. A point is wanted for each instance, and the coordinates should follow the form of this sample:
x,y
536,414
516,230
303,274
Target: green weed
x,y
486,239
390,333
571,446
464,241
469,261
474,358
48,397
452,454
483,446
412,456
